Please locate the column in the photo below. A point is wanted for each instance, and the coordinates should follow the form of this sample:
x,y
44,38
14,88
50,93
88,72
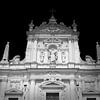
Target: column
x,y
70,51
80,90
28,51
32,90
59,57
2,89
36,92
98,84
77,52
60,95
27,90
33,51
68,90
72,90
46,56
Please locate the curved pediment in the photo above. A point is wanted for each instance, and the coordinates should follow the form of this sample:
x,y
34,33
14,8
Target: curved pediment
x,y
14,92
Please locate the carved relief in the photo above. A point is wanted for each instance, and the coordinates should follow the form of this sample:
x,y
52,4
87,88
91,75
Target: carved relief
x,y
64,45
63,57
52,55
89,59
15,84
15,60
41,45
55,51
89,85
42,55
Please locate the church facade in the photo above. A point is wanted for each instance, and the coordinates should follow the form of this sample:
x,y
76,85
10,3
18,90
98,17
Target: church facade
x,y
52,68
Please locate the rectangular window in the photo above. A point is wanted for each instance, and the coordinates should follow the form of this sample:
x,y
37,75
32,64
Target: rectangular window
x,y
52,96
91,98
13,99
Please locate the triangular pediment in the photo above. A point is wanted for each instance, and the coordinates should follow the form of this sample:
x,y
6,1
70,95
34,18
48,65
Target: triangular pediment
x,y
14,92
52,85
93,92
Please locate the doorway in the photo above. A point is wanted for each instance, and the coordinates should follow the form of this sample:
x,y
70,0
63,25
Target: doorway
x,y
91,98
52,96
12,98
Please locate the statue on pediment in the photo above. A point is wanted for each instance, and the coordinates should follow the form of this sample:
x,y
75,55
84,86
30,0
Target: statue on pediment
x,y
89,60
15,60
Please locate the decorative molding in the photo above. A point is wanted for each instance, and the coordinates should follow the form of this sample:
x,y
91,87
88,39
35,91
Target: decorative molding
x,y
14,91
52,85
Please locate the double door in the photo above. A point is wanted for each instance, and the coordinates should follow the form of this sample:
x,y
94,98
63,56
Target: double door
x,y
52,96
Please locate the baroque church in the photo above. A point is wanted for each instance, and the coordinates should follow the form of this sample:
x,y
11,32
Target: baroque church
x,y
52,68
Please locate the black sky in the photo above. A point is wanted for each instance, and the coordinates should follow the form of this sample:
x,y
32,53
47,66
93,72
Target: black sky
x,y
11,21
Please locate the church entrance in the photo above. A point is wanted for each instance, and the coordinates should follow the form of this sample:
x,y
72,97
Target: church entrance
x,y
91,98
13,99
52,96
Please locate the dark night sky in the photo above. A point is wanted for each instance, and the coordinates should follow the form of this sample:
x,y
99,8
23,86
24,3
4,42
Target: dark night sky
x,y
11,21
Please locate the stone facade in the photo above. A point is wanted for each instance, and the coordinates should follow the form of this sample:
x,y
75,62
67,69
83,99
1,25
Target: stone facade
x,y
52,68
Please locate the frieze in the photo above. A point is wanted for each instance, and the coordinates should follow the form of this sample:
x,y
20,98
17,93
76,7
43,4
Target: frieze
x,y
52,30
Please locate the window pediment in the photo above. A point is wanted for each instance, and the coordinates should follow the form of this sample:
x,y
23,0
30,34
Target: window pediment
x,y
89,92
14,92
52,83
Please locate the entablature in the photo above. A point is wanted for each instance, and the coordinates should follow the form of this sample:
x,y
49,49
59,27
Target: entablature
x,y
49,66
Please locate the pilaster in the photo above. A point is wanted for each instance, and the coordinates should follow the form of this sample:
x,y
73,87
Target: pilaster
x,y
80,91
28,51
98,84
31,51
32,90
36,92
34,51
72,90
3,89
70,51
45,56
59,57
77,52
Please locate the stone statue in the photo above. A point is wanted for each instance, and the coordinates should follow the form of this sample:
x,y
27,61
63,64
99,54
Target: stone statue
x,y
15,60
42,57
89,59
53,55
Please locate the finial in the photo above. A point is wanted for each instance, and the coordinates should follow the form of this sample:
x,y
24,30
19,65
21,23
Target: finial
x,y
74,25
6,54
98,52
52,20
31,26
52,12
8,43
97,43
